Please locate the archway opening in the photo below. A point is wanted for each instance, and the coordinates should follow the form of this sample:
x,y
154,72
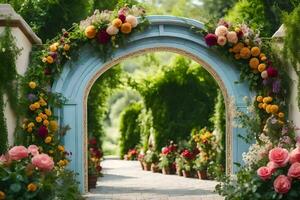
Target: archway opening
x,y
149,104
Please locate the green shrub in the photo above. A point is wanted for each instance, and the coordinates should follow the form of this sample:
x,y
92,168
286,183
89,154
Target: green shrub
x,y
129,128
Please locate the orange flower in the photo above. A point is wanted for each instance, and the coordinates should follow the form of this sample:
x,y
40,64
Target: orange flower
x,y
261,67
255,51
254,62
117,22
66,47
31,187
245,53
237,48
90,32
281,115
2,195
259,99
126,28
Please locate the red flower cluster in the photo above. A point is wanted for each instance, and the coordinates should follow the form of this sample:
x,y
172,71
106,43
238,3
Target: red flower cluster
x,y
187,154
169,149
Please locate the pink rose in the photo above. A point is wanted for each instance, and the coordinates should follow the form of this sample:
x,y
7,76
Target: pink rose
x,y
18,153
272,166
279,156
43,162
282,184
294,171
232,37
264,173
295,155
222,40
33,149
221,31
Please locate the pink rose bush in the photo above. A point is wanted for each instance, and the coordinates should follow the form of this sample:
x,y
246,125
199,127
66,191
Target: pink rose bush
x,y
18,153
43,162
280,162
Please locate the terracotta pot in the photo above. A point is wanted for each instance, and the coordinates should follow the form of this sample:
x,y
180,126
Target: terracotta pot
x,y
92,180
147,166
142,166
186,174
165,170
178,172
202,175
154,168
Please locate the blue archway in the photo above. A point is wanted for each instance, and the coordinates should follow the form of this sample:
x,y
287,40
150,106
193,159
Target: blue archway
x,y
166,33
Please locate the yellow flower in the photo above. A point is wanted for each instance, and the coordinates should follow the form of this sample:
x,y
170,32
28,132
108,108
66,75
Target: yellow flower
x,y
42,102
54,47
254,62
38,119
48,112
61,148
274,109
37,105
48,139
53,126
268,108
281,115
260,105
261,67
117,22
255,51
32,107
245,53
32,85
61,163
31,187
66,47
49,59
237,48
30,125
267,99
46,122
29,130
259,99
2,195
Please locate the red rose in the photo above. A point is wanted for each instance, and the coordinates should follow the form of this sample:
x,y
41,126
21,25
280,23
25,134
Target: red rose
x,y
282,184
272,72
211,39
102,37
43,131
122,17
165,150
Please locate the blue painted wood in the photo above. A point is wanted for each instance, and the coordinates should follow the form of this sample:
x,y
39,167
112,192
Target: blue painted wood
x,y
164,32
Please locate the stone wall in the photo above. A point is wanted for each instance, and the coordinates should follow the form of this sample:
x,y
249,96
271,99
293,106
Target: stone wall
x,y
25,38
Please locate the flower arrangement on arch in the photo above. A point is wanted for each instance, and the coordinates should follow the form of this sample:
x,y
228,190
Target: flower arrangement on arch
x,y
26,172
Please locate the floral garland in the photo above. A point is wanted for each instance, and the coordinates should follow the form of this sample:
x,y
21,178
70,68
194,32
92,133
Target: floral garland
x,y
105,31
273,157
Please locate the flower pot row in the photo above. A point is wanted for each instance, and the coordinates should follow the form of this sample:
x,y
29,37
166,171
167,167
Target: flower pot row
x,y
169,170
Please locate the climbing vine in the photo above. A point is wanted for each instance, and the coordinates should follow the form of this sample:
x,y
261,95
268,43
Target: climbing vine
x,y
8,80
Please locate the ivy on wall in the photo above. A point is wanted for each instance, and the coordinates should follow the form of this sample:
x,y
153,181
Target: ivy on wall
x,y
8,83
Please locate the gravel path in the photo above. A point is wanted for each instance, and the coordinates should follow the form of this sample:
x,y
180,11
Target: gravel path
x,y
125,180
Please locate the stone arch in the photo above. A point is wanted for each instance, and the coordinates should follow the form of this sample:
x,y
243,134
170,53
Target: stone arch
x,y
165,33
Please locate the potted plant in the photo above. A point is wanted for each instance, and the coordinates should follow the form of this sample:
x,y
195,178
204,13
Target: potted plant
x,y
179,165
188,158
200,165
151,159
167,159
94,159
141,158
164,164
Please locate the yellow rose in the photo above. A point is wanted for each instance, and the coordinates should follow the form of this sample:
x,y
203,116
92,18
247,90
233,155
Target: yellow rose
x,y
31,187
32,85
37,105
42,102
254,62
66,47
260,105
61,163
30,125
54,47
245,53
32,107
48,139
281,115
48,112
46,122
49,59
61,148
38,119
2,195
268,108
53,126
261,67
29,130
274,109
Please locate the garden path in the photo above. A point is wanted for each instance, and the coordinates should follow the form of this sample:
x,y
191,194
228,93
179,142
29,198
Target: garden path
x,y
125,180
